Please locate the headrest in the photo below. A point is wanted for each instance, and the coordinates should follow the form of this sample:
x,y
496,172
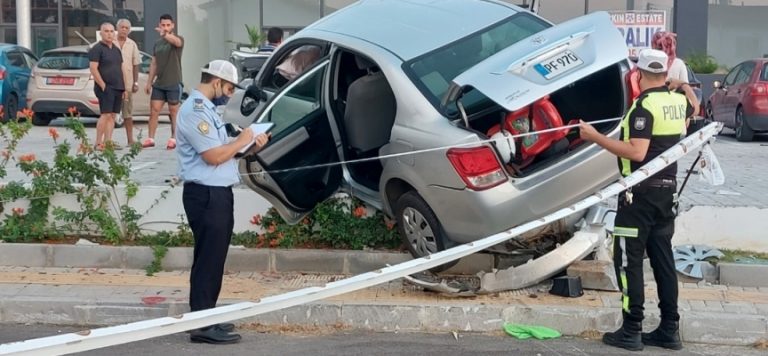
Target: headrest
x,y
364,63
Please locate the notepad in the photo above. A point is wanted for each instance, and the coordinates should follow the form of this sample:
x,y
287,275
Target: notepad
x,y
258,128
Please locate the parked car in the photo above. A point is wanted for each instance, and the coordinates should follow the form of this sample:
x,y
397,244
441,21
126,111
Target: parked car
x,y
373,92
16,63
248,64
740,102
62,79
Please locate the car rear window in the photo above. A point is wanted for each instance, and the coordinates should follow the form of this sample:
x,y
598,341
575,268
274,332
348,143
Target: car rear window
x,y
764,74
64,61
434,71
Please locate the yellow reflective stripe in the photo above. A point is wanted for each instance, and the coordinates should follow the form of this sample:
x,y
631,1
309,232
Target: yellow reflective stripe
x,y
624,293
626,231
626,168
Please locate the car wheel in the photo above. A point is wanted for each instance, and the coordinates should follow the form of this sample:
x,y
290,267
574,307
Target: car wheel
x,y
419,228
743,132
41,119
10,107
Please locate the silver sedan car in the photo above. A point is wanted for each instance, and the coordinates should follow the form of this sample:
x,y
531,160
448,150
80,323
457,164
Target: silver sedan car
x,y
418,88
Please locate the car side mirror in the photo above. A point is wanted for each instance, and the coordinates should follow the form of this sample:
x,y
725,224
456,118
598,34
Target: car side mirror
x,y
256,93
717,84
253,97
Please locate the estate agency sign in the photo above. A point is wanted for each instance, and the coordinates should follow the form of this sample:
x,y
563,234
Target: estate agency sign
x,y
638,27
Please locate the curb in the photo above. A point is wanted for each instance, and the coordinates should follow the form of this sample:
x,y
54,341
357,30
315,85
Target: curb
x,y
238,259
695,326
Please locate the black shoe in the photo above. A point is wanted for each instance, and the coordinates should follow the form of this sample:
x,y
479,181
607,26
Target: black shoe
x,y
228,327
667,335
627,337
213,335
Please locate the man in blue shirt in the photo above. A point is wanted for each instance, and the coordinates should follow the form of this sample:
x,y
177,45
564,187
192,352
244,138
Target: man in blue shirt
x,y
274,38
209,170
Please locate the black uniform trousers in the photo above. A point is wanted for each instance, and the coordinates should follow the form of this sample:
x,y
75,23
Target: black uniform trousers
x,y
646,224
210,211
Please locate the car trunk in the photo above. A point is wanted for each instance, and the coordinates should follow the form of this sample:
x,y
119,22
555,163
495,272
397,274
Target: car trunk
x,y
597,97
63,71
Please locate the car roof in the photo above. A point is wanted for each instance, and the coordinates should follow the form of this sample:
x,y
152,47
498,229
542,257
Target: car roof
x,y
409,28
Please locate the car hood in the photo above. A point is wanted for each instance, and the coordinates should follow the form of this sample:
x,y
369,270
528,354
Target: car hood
x,y
517,76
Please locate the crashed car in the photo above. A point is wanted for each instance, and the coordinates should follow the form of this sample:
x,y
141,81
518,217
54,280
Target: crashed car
x,y
405,124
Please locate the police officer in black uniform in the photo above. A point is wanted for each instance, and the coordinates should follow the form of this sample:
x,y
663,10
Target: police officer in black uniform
x,y
208,169
645,220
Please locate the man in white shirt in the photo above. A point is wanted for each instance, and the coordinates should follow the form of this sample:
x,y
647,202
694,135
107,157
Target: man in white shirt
x,y
131,61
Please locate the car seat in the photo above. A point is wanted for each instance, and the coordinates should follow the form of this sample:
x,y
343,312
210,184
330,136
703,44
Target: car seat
x,y
540,115
370,111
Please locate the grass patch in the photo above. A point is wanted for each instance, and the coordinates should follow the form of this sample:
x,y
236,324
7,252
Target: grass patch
x,y
744,256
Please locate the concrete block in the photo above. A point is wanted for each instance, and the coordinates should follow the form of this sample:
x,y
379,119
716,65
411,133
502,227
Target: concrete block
x,y
761,309
118,314
239,259
87,256
722,328
567,320
594,274
320,314
137,257
472,264
40,310
471,317
743,275
307,261
23,255
739,308
178,258
382,317
697,305
361,261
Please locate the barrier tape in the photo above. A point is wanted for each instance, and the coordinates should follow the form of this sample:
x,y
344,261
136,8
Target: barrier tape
x,y
120,334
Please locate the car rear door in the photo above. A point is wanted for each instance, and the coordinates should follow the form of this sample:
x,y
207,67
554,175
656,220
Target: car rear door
x,y
545,62
299,167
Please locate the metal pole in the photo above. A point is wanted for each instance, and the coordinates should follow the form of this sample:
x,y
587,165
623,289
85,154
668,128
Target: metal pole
x,y
586,7
630,4
24,23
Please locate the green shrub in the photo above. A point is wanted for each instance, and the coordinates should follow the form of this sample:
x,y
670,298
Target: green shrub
x,y
702,63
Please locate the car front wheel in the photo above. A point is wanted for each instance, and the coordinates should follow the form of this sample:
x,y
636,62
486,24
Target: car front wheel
x,y
743,132
10,107
419,228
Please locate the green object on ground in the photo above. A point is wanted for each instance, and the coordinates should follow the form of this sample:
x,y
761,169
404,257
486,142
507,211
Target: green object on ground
x,y
528,331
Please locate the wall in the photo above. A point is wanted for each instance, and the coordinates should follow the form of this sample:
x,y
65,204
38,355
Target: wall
x,y
737,33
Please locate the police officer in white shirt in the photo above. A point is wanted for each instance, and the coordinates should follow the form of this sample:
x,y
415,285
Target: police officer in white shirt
x,y
209,170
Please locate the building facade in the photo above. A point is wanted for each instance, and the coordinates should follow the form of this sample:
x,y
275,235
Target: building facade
x,y
729,30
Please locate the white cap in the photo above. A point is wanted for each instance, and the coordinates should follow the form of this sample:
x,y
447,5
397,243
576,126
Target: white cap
x,y
222,69
652,60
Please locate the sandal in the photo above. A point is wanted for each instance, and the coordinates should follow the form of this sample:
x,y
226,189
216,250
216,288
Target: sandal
x,y
149,142
171,144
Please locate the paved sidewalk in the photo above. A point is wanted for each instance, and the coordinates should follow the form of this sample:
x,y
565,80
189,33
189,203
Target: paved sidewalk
x,y
70,296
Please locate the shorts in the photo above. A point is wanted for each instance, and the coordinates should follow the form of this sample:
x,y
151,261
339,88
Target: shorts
x,y
171,95
128,105
110,100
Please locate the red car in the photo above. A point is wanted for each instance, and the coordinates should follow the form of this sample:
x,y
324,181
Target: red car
x,y
741,100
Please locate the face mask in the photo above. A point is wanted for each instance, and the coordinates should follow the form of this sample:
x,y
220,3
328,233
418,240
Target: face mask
x,y
219,97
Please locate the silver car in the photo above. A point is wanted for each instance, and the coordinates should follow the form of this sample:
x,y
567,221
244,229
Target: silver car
x,y
400,76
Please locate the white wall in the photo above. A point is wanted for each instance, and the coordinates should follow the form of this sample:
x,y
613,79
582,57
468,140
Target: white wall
x,y
737,33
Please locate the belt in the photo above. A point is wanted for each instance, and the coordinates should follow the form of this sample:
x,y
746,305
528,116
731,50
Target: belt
x,y
206,186
659,183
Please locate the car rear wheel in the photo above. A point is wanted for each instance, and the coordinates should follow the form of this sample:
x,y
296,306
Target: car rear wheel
x,y
42,119
419,228
743,132
10,107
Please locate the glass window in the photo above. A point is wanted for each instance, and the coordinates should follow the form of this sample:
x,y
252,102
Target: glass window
x,y
434,71
16,59
303,98
43,11
764,75
64,60
731,77
31,59
745,72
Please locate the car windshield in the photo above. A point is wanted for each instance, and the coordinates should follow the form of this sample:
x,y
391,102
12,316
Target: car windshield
x,y
64,60
434,71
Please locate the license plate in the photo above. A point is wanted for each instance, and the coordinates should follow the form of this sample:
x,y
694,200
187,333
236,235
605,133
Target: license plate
x,y
559,64
60,81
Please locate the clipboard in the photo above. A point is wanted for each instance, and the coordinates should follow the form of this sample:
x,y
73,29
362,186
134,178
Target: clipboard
x,y
258,128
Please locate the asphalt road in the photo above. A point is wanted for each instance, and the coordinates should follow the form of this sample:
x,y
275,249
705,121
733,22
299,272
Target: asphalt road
x,y
325,342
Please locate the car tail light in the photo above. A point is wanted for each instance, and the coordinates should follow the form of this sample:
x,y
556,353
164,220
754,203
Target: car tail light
x,y
2,74
758,89
633,85
478,167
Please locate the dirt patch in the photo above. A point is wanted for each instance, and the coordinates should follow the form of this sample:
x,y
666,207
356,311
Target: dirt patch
x,y
761,344
591,335
293,329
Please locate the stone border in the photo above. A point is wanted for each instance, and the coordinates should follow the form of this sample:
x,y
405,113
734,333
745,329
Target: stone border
x,y
238,259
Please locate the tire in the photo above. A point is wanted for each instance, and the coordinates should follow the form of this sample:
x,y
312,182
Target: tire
x,y
42,119
419,228
709,118
743,132
10,107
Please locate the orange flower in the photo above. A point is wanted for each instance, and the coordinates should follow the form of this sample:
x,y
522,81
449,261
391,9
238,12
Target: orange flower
x,y
2,111
271,228
72,110
256,219
359,212
29,157
28,113
17,211
53,133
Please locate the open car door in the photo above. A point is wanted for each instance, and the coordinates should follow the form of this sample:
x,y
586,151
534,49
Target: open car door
x,y
301,138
